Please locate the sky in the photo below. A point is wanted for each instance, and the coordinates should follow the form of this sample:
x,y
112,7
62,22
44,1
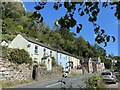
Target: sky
x,y
106,20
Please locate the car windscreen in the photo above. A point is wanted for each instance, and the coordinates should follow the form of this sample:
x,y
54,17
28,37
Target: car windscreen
x,y
106,73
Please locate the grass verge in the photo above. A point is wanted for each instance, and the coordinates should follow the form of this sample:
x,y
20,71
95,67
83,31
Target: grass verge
x,y
15,83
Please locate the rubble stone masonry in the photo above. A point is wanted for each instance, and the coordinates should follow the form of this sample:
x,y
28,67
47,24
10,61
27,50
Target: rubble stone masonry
x,y
12,72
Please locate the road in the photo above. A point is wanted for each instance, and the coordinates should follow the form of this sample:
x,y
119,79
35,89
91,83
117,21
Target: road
x,y
117,85
75,81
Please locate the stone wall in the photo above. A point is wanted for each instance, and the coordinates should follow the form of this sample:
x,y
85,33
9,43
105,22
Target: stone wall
x,y
77,71
12,72
45,75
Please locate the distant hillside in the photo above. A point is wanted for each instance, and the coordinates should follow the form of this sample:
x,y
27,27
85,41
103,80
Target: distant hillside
x,y
15,20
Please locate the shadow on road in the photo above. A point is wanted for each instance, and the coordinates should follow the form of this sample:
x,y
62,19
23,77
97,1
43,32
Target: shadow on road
x,y
110,83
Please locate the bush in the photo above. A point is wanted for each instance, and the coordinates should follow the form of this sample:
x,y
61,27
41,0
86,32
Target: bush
x,y
19,56
4,51
95,82
54,62
118,76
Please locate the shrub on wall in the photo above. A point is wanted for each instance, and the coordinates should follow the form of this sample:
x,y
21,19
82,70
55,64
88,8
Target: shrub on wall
x,y
4,51
19,56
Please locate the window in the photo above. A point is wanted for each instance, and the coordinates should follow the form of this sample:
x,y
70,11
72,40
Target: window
x,y
35,59
60,56
36,49
50,53
106,73
44,50
60,63
28,45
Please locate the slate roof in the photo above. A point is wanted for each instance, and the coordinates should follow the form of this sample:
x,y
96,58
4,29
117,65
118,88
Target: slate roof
x,y
45,45
38,43
64,52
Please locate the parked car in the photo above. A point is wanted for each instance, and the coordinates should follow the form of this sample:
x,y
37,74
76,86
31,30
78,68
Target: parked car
x,y
109,77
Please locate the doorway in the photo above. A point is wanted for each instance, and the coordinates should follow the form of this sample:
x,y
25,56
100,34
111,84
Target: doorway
x,y
34,73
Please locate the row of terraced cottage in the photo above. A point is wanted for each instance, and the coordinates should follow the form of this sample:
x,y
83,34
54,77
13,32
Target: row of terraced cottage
x,y
43,53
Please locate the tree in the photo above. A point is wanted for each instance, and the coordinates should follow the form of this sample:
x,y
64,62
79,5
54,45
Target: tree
x,y
99,51
108,64
91,9
12,10
60,38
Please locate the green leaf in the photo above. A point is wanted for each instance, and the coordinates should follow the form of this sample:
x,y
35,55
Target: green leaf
x,y
66,4
79,27
36,15
102,31
37,7
94,13
82,13
90,19
92,8
113,38
72,22
55,7
41,20
108,38
79,9
94,19
96,30
86,10
105,44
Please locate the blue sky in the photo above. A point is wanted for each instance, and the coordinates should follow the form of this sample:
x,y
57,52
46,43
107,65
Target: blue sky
x,y
106,20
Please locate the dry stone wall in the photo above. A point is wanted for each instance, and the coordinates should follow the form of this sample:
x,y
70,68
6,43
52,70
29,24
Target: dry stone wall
x,y
12,72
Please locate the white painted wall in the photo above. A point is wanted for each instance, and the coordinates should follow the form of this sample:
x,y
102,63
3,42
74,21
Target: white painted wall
x,y
4,43
19,42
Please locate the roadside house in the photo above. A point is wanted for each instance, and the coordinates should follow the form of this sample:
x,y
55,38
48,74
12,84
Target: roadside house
x,y
37,51
43,53
96,64
88,64
75,62
63,59
4,43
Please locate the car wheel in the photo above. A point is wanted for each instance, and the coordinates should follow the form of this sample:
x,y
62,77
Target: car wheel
x,y
114,82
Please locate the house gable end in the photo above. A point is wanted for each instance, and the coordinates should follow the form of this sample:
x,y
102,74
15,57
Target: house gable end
x,y
19,42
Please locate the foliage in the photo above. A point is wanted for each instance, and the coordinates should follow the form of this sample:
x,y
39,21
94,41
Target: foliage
x,y
117,58
54,62
4,52
108,64
42,65
7,37
59,38
6,84
92,9
12,10
118,76
19,56
95,82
